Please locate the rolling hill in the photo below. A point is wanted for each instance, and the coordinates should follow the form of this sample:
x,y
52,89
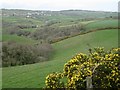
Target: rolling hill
x,y
52,25
99,24
63,17
18,39
33,76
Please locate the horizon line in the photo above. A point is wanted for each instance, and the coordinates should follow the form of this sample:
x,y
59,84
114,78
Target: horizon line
x,y
57,10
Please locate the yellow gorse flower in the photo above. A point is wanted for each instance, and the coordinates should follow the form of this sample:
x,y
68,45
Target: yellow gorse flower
x,y
103,66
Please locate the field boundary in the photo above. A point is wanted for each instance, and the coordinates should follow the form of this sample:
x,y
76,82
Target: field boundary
x,y
92,30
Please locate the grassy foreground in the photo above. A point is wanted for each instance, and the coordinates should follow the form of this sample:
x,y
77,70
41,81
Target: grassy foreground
x,y
33,76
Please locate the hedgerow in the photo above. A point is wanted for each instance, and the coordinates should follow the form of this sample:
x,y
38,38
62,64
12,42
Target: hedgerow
x,y
102,66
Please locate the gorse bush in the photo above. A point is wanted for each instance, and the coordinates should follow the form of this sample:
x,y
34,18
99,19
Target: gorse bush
x,y
102,66
21,54
53,80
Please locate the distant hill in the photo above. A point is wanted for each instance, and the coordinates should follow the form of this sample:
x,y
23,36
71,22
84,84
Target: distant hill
x,y
47,15
52,26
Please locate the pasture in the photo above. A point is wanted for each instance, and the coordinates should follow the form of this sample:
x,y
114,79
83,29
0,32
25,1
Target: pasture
x,y
33,76
18,39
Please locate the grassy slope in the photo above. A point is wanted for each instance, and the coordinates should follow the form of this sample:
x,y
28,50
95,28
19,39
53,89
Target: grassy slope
x,y
102,24
33,76
18,39
21,20
90,25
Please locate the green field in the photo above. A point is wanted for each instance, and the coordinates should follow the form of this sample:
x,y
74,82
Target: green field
x,y
90,25
21,21
33,76
98,24
18,39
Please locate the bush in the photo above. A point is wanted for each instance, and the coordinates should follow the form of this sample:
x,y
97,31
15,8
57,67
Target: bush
x,y
21,54
53,34
102,66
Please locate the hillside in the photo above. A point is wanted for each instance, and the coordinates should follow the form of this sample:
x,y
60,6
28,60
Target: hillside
x,y
33,76
102,24
57,14
53,26
42,17
17,39
63,34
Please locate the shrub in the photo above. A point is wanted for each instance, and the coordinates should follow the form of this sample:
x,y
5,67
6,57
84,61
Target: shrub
x,y
54,34
21,54
102,66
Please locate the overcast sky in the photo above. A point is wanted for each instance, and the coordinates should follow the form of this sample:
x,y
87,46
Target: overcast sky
x,y
99,5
